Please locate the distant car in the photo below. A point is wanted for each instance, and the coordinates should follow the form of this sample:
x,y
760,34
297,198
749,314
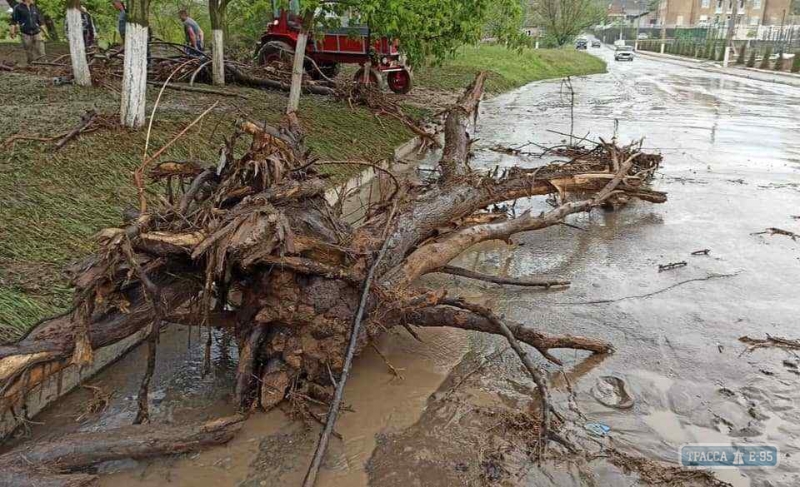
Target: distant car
x,y
643,35
581,44
623,53
595,43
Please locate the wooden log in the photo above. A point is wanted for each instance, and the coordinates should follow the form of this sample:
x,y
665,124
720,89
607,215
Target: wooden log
x,y
78,451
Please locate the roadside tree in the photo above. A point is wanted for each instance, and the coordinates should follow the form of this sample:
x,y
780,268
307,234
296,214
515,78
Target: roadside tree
x,y
134,75
77,47
564,19
765,60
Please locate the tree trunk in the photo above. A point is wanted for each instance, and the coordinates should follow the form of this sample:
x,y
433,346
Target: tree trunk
x,y
41,463
77,49
216,10
297,66
218,59
134,77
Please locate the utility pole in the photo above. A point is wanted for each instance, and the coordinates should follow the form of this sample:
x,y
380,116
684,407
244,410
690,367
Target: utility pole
x,y
731,29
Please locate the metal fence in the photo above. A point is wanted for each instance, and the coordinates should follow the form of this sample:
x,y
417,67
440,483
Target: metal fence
x,y
786,37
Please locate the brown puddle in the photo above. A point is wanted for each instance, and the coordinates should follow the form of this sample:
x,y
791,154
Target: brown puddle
x,y
274,449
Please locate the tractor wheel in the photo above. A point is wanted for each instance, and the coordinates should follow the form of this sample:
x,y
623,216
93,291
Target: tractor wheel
x,y
329,70
375,78
400,82
274,51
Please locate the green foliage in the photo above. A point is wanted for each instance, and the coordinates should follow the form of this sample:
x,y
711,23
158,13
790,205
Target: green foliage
x,y
721,53
562,20
742,53
700,53
428,29
751,61
246,21
508,68
712,51
796,62
765,60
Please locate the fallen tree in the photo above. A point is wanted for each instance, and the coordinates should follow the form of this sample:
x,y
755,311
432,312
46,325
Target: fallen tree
x,y
253,246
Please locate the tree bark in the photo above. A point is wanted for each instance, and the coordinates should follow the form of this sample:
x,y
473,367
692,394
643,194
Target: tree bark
x,y
298,62
81,450
218,58
77,49
217,10
134,76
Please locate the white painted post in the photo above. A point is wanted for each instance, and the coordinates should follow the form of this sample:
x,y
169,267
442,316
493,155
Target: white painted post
x,y
662,48
134,76
635,45
537,44
77,49
218,61
727,56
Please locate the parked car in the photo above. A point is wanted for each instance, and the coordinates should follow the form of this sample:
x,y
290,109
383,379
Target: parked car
x,y
643,35
595,43
623,53
581,44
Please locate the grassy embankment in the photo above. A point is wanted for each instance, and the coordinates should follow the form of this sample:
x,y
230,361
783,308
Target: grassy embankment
x,y
509,69
52,203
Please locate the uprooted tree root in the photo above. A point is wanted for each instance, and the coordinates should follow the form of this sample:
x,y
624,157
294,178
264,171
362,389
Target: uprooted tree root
x,y
252,245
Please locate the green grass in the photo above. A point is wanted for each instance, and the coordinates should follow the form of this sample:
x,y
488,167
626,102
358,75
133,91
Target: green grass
x,y
51,204
509,68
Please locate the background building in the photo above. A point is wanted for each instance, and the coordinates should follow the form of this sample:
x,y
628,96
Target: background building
x,y
709,13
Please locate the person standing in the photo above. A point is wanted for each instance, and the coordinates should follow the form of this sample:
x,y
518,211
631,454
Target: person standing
x,y
28,20
122,18
87,24
89,30
194,34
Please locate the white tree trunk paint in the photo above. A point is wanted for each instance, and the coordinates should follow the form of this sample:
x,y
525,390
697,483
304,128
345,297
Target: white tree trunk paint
x,y
297,72
134,76
727,57
218,60
662,48
77,50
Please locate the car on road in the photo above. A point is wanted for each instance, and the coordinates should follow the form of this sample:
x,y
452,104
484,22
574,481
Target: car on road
x,y
643,35
581,44
623,53
595,43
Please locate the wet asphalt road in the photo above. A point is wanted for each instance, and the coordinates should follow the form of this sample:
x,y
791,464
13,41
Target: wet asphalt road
x,y
731,167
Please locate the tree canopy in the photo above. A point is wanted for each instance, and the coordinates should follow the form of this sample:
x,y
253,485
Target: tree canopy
x,y
429,29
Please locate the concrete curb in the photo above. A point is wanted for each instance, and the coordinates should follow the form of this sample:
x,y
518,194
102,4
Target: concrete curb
x,y
55,379
779,78
368,174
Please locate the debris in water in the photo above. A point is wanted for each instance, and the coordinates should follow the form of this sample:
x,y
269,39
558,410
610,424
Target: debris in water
x,y
770,341
777,231
701,252
597,429
612,392
671,265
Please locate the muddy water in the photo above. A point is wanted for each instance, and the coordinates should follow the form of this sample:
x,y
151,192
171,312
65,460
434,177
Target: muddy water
x,y
732,158
731,169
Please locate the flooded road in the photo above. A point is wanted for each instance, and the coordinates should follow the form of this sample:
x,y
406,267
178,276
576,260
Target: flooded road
x,y
731,168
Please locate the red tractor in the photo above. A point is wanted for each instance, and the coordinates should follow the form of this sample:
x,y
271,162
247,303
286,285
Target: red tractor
x,y
345,45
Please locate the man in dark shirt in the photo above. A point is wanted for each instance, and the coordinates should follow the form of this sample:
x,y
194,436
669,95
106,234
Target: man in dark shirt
x,y
28,20
122,18
194,34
